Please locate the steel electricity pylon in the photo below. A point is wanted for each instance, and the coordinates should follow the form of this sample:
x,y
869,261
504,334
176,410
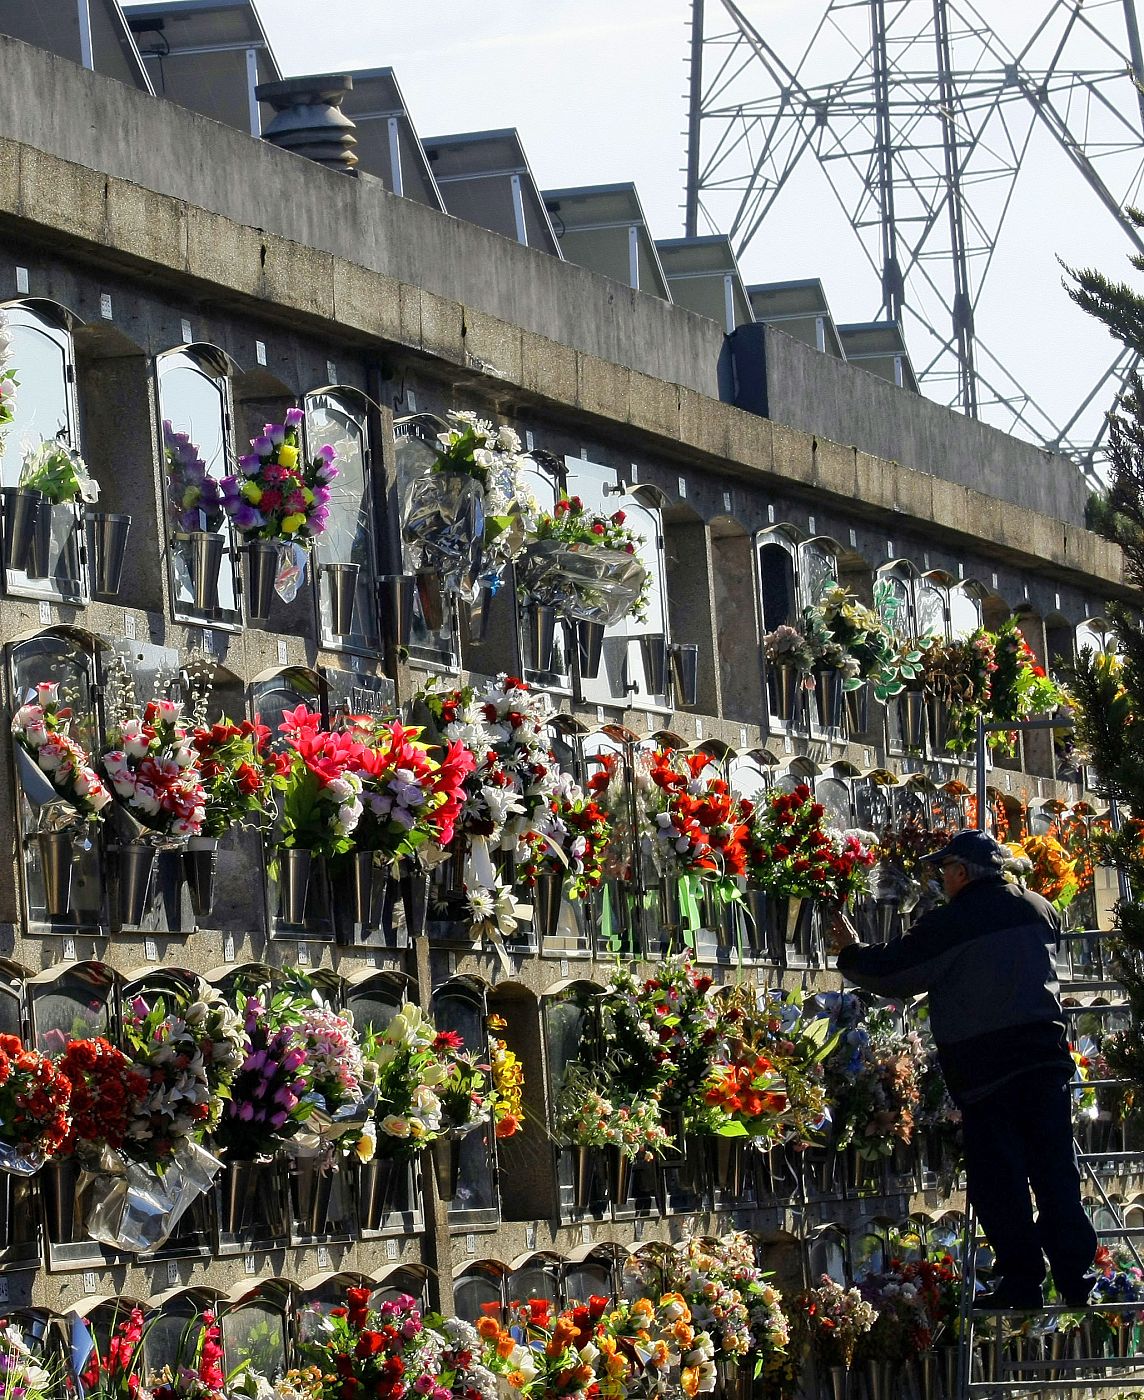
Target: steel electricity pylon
x,y
922,118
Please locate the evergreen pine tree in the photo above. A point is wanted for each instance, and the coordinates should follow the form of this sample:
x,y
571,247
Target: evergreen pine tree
x,y
1109,689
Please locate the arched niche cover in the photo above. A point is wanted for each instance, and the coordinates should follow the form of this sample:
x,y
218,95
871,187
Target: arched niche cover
x,y
72,1001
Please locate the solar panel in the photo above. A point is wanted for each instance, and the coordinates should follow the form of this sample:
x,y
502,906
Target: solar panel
x,y
602,227
799,309
387,144
704,276
484,177
93,33
208,55
880,347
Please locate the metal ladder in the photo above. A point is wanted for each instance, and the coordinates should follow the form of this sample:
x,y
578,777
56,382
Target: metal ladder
x,y
1023,1355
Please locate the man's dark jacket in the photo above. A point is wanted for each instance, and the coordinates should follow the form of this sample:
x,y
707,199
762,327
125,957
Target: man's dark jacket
x,y
987,960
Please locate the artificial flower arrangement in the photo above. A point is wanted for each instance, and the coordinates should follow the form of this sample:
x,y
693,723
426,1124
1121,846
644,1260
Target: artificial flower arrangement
x,y
239,773
829,1320
505,727
570,839
508,1082
194,497
24,1374
604,579
409,798
873,1077
113,1373
900,873
1021,687
959,673
338,1080
277,495
540,1354
466,518
58,473
840,619
407,1072
391,1350
187,1050
901,1328
790,646
153,768
8,380
34,1103
267,1105
42,728
321,788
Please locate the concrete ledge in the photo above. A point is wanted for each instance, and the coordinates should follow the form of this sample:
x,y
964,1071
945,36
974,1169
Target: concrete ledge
x,y
112,220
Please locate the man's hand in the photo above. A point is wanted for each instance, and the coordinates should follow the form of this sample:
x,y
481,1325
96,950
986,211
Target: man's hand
x,y
842,932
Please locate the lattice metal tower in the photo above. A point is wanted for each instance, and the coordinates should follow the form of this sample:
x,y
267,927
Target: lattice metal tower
x,y
921,117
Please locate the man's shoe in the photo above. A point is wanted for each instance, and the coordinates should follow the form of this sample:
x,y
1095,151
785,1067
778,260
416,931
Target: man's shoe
x,y
1010,1298
1076,1295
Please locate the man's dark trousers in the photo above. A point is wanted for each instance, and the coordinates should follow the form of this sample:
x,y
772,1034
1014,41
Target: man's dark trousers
x,y
1019,1136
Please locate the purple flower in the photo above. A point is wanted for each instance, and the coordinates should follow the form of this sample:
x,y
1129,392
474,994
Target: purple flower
x,y
278,1119
245,1112
229,488
249,462
263,445
294,417
327,453
321,495
245,517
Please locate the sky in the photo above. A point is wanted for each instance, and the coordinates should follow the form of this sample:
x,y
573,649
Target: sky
x,y
597,91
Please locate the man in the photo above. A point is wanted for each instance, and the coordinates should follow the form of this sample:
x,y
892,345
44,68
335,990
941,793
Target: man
x,y
987,961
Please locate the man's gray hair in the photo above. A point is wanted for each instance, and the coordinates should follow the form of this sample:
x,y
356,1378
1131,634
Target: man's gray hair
x,y
980,872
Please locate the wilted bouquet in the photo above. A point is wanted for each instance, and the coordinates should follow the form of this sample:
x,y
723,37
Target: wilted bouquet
x,y
153,767
43,729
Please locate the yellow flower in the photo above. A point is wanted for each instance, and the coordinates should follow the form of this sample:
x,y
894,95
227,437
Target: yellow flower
x,y
251,492
364,1147
292,523
287,455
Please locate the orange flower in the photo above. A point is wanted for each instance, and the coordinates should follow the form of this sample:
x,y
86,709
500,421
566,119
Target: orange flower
x,y
488,1328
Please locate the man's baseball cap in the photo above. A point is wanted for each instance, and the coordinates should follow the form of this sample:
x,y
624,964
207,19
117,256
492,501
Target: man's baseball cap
x,y
975,847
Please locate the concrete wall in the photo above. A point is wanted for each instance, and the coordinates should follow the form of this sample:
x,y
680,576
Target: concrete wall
x,y
106,126
822,395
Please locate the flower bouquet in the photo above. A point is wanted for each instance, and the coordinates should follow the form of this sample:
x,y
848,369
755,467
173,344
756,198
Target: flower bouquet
x,y
505,728
407,1073
202,1377
34,1100
465,517
1047,867
874,1077
697,831
790,663
585,565
58,473
280,501
24,1373
153,768
267,1104
830,1319
239,774
541,1356
60,782
194,497
957,676
569,841
791,859
114,1374
901,1328
8,380
186,1049
508,1083
391,1350
339,1089
1021,688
